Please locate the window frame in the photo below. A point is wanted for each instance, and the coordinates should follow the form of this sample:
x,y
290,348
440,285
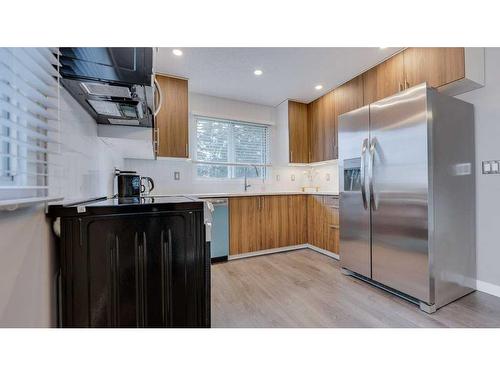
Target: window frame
x,y
232,165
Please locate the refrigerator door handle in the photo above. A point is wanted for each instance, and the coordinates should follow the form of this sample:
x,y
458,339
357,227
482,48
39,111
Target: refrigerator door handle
x,y
363,172
373,201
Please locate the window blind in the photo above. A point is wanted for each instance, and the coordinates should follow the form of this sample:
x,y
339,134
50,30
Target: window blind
x,y
231,147
28,120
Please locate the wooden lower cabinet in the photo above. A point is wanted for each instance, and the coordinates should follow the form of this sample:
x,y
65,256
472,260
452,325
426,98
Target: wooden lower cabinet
x,y
274,221
266,222
331,205
245,225
323,222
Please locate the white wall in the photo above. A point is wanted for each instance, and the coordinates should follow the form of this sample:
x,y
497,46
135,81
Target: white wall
x,y
27,253
280,175
487,133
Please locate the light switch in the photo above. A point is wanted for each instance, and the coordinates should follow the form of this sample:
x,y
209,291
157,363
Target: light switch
x,y
328,176
495,167
292,177
177,176
277,177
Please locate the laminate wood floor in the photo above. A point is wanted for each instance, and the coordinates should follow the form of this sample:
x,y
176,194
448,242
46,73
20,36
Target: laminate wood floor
x,y
306,289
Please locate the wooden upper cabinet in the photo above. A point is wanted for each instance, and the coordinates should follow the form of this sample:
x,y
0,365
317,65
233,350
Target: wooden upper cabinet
x,y
347,97
297,133
436,66
171,123
321,126
315,131
384,79
328,122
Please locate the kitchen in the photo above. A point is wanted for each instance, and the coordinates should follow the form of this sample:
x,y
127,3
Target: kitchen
x,y
249,187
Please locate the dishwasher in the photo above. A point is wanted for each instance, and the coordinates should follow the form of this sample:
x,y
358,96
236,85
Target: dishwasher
x,y
219,246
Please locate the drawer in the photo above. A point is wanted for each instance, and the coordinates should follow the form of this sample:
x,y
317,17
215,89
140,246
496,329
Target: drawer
x,y
331,201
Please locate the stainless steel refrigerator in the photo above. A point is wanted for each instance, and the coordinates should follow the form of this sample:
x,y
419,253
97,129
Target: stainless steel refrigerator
x,y
407,205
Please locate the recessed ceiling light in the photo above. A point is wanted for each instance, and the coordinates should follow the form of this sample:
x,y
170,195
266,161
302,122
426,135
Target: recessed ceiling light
x,y
318,87
382,47
257,72
177,52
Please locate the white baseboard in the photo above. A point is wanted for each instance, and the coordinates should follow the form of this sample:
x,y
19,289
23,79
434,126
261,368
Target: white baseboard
x,y
282,249
268,251
323,251
489,288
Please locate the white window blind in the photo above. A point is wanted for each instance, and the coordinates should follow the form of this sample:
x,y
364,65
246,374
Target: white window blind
x,y
224,148
28,120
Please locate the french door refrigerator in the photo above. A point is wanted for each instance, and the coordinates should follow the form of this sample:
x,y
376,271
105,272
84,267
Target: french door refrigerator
x,y
407,205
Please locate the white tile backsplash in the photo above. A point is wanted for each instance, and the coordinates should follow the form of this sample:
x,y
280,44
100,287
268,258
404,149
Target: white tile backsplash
x,y
84,163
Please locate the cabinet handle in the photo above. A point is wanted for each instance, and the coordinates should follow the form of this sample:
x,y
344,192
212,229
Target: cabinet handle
x,y
156,139
333,226
160,97
187,150
140,279
114,281
166,277
291,156
400,86
407,84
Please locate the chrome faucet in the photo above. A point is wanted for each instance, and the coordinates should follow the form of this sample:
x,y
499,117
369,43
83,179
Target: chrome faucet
x,y
247,185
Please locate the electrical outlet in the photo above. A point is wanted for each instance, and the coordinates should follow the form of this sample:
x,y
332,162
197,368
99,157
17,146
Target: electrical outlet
x,y
177,176
277,177
292,177
328,176
491,167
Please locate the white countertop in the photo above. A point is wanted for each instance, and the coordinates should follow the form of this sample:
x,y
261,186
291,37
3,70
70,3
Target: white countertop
x,y
249,194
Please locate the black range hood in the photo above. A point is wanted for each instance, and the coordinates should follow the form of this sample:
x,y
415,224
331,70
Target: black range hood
x,y
113,84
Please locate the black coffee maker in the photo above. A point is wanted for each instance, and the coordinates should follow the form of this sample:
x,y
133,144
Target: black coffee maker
x,y
130,184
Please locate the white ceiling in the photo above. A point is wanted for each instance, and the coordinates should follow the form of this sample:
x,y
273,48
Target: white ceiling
x,y
289,73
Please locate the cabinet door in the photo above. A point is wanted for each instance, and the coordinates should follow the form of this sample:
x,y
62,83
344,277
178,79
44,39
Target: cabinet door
x,y
316,131
274,216
284,221
327,117
347,97
146,271
297,219
171,123
316,221
244,225
176,259
436,66
116,277
384,79
297,133
331,210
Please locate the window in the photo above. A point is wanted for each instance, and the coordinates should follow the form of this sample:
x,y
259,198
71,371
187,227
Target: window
x,y
228,148
28,110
